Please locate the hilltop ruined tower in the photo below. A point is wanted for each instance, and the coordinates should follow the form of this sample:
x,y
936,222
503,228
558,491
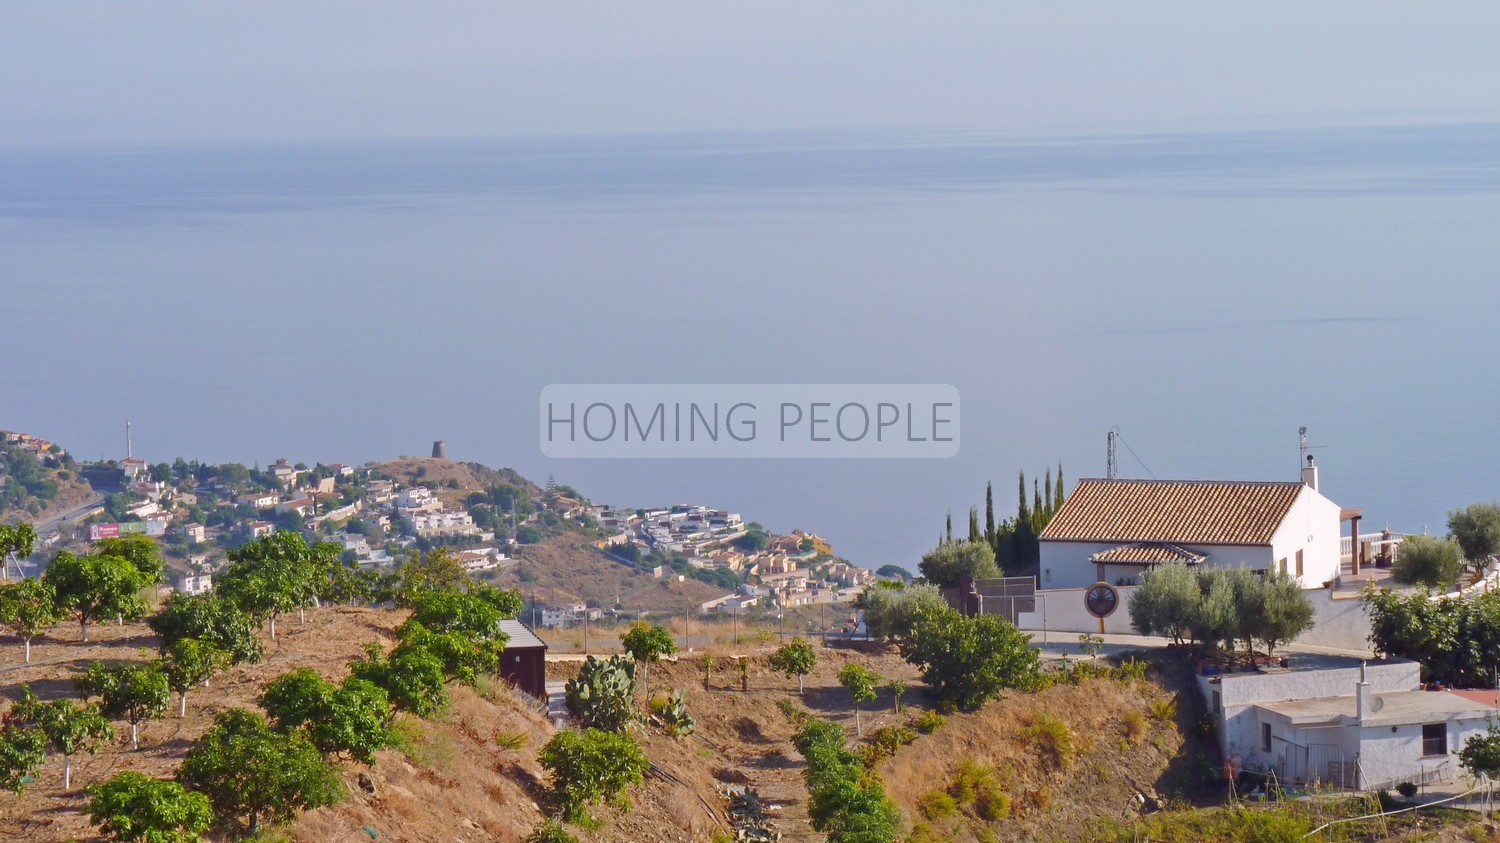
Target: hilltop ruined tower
x,y
439,450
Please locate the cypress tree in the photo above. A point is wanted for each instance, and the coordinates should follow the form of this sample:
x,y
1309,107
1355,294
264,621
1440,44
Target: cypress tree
x,y
1047,494
1023,514
1057,501
974,534
950,527
989,513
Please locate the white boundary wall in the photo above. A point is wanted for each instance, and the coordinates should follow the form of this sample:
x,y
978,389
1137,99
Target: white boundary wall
x,y
1339,622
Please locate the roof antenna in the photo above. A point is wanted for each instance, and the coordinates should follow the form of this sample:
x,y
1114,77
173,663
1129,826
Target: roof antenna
x,y
1112,462
1302,440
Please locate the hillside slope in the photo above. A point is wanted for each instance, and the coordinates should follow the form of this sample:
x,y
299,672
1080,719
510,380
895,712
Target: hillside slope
x,y
1063,756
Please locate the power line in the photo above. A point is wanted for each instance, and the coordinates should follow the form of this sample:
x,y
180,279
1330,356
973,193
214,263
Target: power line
x,y
1133,454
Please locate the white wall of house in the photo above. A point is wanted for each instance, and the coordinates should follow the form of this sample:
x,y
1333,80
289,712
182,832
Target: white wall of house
x,y
1239,693
1312,527
1390,755
1065,564
1063,610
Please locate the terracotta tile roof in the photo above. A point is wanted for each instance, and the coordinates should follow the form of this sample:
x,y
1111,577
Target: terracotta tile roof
x,y
1177,511
1147,553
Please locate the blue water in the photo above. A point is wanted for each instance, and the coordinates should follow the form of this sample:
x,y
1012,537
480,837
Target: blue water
x,y
1206,293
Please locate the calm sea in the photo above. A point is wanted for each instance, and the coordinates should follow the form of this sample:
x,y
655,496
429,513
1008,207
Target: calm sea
x,y
1206,293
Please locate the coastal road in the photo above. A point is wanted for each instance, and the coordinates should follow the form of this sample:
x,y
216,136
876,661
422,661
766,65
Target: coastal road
x,y
72,513
52,524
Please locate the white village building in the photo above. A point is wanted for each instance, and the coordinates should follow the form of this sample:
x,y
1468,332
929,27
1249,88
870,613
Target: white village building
x,y
1111,530
1342,721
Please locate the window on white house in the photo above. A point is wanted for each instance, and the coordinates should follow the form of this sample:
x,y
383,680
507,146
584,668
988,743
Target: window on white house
x,y
1265,737
1218,701
1435,739
1299,563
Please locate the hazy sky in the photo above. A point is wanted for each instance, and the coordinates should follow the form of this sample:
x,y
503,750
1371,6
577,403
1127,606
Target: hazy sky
x,y
113,72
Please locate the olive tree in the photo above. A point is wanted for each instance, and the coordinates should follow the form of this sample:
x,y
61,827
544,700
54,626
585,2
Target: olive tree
x,y
952,562
1424,560
1476,528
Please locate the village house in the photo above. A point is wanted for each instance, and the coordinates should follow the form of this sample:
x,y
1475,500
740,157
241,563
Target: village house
x,y
261,528
195,532
1343,721
135,469
283,471
1112,530
195,583
258,499
301,506
352,541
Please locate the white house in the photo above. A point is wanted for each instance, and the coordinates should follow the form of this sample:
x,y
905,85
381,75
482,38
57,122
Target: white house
x,y
1343,721
1112,530
195,583
195,532
283,471
259,500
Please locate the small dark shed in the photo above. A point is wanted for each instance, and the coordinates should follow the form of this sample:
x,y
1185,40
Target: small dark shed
x,y
524,662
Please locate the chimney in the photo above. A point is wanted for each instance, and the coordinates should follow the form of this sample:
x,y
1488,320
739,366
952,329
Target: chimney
x,y
1363,700
1310,474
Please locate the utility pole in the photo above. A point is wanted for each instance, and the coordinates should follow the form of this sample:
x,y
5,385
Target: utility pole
x,y
129,453
734,623
1111,461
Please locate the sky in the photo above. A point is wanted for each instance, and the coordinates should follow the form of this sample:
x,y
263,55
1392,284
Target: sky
x,y
1206,224
111,73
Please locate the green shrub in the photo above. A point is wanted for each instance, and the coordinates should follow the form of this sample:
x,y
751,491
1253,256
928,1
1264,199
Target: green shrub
x,y
992,806
937,804
590,766
1053,740
793,710
928,722
1163,711
550,831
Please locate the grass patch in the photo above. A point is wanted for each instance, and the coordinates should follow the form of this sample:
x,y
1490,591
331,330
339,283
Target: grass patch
x,y
422,746
1052,740
510,740
1136,727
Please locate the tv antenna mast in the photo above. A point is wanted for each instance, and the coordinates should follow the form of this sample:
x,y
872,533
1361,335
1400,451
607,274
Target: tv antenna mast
x,y
1112,461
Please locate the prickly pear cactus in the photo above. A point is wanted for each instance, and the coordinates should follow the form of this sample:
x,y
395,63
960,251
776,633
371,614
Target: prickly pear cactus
x,y
670,711
602,696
